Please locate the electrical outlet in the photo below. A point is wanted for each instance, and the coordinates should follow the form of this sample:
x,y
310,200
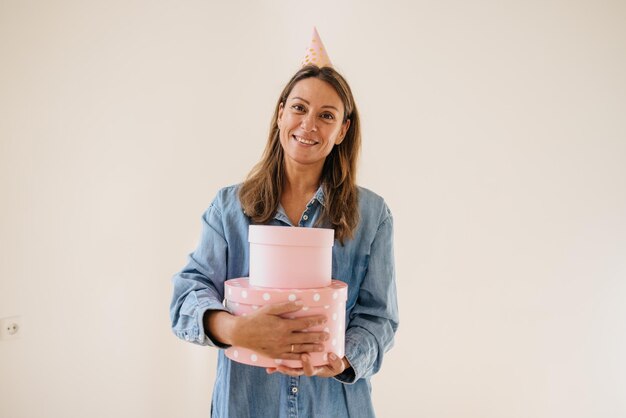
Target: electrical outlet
x,y
10,328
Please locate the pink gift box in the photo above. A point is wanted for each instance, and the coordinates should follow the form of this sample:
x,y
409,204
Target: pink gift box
x,y
289,264
290,257
243,298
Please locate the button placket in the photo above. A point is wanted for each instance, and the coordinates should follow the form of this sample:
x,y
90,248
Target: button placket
x,y
293,398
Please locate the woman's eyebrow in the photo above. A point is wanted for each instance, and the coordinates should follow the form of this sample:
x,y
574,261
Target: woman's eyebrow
x,y
307,102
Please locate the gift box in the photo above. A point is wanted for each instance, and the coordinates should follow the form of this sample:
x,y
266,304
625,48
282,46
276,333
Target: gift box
x,y
290,257
242,298
289,264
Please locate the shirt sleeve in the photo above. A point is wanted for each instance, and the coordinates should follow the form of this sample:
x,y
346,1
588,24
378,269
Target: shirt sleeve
x,y
374,319
199,286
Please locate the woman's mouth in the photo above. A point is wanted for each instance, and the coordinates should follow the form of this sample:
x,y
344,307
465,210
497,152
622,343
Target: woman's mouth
x,y
304,140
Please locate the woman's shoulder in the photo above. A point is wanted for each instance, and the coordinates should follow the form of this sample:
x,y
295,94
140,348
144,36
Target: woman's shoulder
x,y
227,198
372,205
369,195
229,192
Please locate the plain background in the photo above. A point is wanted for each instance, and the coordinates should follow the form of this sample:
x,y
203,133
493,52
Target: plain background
x,y
495,130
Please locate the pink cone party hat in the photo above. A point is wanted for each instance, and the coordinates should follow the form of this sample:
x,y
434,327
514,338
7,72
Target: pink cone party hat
x,y
316,53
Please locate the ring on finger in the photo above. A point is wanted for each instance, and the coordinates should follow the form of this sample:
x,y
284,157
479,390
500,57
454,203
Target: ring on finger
x,y
292,348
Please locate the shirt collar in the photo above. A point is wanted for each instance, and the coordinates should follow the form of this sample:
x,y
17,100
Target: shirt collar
x,y
319,195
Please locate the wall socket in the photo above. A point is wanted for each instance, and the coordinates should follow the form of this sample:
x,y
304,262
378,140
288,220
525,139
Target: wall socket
x,y
10,328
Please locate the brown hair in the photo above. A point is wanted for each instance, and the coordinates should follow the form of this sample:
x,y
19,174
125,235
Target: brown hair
x,y
260,193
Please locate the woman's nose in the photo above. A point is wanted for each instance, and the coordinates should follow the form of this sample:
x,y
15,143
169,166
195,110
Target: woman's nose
x,y
308,122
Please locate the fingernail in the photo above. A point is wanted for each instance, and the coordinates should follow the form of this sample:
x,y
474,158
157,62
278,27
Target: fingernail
x,y
333,356
299,303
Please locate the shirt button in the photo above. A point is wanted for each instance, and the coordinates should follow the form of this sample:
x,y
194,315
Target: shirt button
x,y
294,390
305,217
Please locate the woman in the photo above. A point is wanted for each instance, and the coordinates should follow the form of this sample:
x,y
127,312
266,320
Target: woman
x,y
306,178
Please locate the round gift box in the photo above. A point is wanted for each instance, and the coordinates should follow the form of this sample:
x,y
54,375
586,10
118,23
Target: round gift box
x,y
290,257
242,298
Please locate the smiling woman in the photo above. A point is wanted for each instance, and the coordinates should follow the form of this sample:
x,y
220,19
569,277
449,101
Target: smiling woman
x,y
305,178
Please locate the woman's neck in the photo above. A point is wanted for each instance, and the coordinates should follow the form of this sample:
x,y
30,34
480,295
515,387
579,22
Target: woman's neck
x,y
301,180
301,184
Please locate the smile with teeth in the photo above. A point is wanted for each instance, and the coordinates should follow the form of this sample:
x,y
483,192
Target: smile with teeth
x,y
304,141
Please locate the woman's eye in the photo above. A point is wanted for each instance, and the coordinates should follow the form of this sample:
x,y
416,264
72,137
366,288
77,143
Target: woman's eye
x,y
328,116
298,108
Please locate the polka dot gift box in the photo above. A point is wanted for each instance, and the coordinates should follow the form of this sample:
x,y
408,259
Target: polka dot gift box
x,y
289,264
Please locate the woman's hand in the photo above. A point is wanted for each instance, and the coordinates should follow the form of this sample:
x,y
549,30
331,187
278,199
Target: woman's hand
x,y
333,368
267,333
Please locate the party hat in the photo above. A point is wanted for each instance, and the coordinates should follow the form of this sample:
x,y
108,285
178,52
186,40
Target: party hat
x,y
316,53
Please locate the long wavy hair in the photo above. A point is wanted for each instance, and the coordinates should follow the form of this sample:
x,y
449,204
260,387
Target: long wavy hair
x,y
261,192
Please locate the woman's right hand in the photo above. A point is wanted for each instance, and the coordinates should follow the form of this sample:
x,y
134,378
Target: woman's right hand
x,y
267,332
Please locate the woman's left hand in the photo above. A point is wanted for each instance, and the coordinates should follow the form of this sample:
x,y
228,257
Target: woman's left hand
x,y
335,366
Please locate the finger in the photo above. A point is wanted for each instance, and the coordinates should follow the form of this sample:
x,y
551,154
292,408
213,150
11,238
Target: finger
x,y
306,322
306,348
290,356
335,363
289,371
308,368
308,337
283,308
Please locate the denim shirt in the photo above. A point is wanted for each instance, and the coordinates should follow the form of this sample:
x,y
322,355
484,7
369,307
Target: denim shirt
x,y
365,263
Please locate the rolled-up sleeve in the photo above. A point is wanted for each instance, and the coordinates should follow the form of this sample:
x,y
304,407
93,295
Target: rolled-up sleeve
x,y
199,286
374,319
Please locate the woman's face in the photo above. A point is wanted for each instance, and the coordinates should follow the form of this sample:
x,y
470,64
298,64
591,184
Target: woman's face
x,y
311,123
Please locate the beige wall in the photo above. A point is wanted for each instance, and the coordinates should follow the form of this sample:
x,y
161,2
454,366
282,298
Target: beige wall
x,y
495,130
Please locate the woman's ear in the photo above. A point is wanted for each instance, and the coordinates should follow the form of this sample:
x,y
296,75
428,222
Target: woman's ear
x,y
280,112
343,132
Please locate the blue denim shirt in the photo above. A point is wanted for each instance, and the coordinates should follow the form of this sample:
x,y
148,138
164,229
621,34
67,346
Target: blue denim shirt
x,y
365,263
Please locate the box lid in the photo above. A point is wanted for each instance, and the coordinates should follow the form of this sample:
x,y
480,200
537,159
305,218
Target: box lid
x,y
291,236
240,290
